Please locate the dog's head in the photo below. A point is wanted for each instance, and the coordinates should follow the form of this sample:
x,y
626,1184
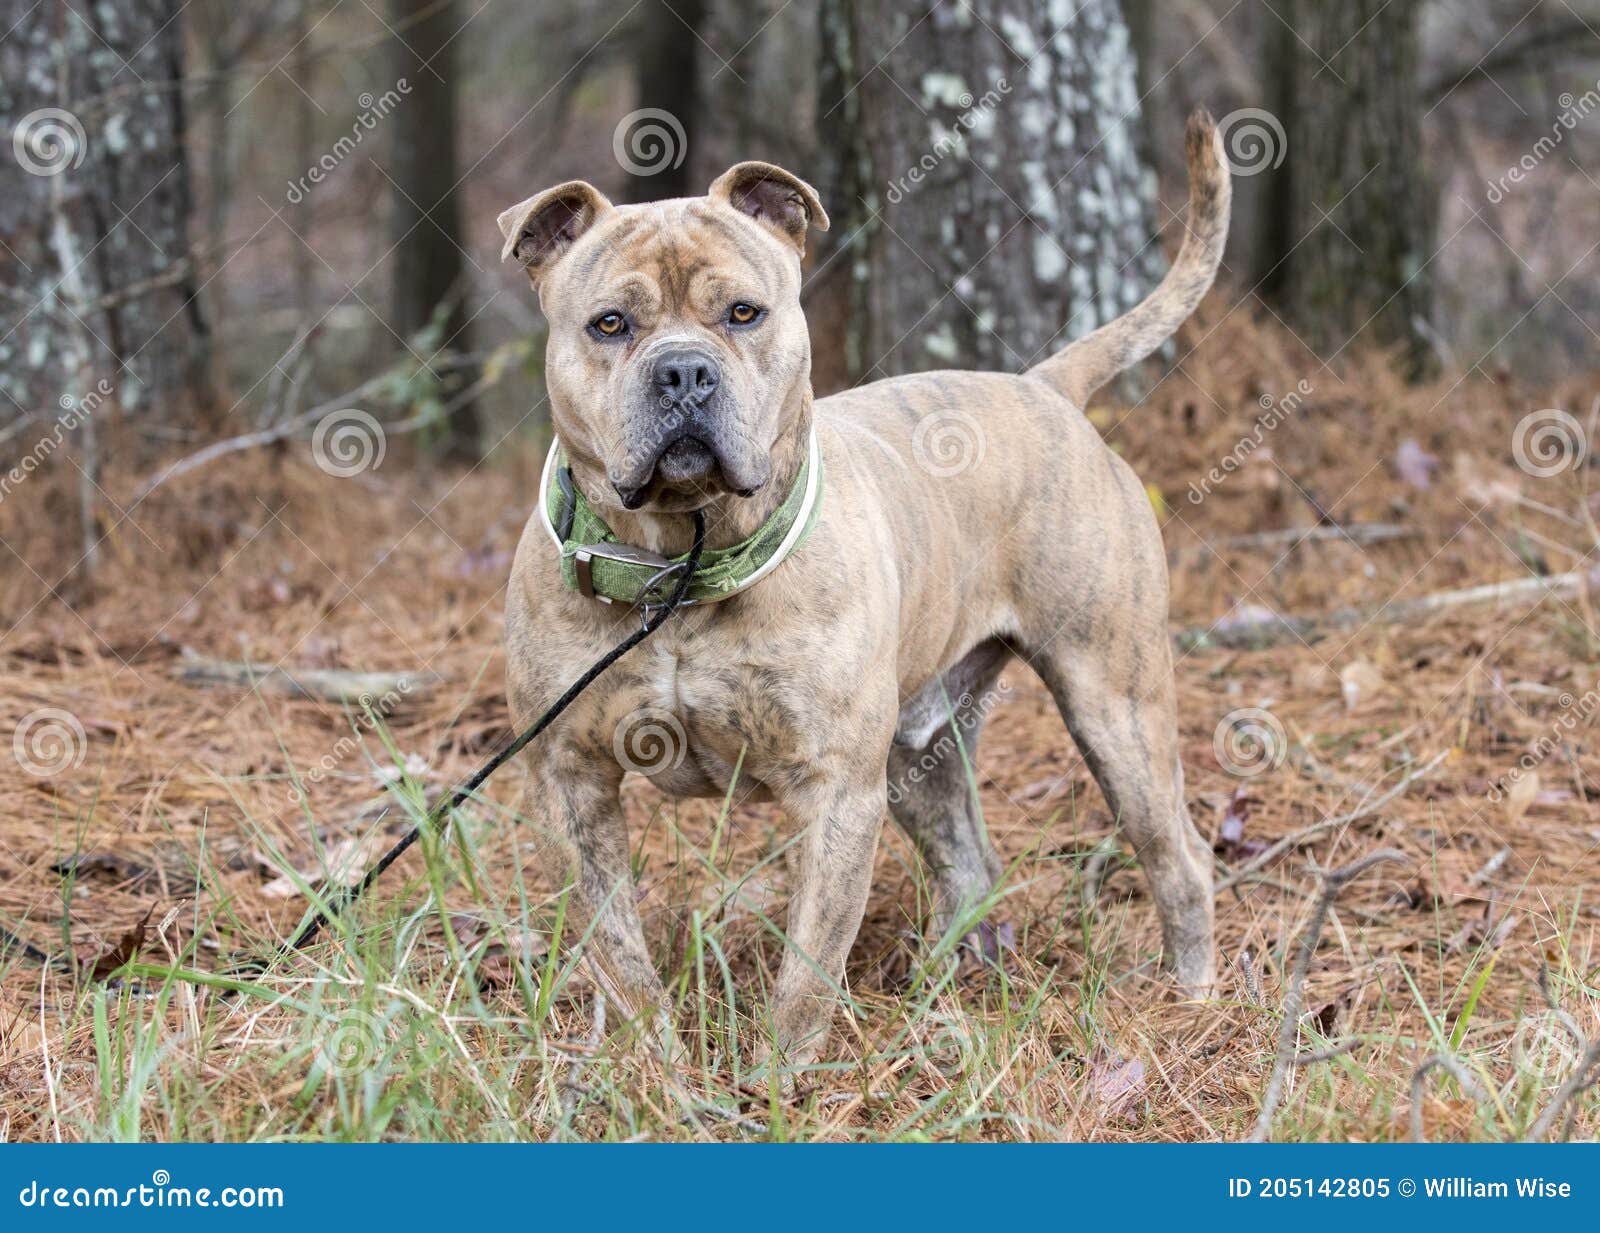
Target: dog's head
x,y
678,355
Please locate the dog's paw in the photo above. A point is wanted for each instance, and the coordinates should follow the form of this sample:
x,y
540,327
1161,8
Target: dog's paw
x,y
984,949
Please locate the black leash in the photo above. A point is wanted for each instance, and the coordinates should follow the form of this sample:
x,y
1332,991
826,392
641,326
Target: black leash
x,y
654,618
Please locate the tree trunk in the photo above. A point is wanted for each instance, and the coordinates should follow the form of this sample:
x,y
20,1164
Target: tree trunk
x,y
980,163
1350,216
96,175
425,216
653,141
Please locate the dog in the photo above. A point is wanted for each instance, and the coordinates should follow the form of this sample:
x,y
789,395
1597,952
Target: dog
x,y
678,367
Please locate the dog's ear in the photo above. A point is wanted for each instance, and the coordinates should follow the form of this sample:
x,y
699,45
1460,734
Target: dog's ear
x,y
772,196
540,229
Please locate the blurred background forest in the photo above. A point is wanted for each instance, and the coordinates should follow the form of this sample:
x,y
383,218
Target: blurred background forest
x,y
271,417
222,216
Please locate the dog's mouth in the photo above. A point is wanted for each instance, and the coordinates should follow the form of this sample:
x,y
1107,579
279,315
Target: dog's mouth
x,y
686,460
687,465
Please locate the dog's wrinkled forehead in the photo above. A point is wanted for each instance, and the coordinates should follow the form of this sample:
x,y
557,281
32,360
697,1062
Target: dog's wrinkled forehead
x,y
675,258
751,224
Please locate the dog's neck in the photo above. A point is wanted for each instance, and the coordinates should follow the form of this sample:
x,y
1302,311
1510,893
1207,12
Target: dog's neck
x,y
729,518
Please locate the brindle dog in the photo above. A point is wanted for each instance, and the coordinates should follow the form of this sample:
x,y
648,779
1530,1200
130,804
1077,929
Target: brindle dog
x,y
678,366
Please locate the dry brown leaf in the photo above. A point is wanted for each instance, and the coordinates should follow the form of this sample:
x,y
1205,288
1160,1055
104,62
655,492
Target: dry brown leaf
x,y
125,951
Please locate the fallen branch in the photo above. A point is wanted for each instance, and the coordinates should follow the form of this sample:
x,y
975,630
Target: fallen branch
x,y
264,436
1255,630
319,684
295,424
1333,882
1419,1076
1577,1082
1354,533
1364,810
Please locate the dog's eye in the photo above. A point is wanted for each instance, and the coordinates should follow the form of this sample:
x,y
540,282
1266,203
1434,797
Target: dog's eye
x,y
609,325
745,314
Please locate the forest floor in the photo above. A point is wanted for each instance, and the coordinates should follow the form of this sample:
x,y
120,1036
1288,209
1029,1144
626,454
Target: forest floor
x,y
1459,739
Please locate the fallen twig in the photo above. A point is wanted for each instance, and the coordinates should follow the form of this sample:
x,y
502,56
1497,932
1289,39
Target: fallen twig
x,y
1577,1082
1365,810
1333,882
1354,533
1261,629
1419,1076
321,684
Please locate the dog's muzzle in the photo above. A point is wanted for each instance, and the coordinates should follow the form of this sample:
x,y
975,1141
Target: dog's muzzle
x,y
684,440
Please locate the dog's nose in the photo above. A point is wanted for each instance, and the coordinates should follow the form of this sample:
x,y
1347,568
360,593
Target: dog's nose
x,y
686,376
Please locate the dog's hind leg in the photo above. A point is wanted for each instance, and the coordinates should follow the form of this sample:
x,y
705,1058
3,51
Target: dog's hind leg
x,y
932,796
1116,694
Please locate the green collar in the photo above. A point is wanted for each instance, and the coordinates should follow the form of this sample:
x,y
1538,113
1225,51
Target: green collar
x,y
595,564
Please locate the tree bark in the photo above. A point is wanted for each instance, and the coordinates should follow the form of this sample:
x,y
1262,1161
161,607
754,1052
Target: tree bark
x,y
96,174
425,214
980,163
1347,260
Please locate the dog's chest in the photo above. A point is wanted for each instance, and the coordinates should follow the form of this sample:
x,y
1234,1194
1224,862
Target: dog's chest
x,y
697,721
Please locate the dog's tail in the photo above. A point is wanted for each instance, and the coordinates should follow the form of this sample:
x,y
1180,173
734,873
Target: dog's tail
x,y
1084,366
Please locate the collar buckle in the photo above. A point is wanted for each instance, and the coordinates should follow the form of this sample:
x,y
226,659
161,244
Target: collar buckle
x,y
585,555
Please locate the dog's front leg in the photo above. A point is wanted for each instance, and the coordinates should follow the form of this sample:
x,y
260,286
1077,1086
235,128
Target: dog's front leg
x,y
835,875
603,912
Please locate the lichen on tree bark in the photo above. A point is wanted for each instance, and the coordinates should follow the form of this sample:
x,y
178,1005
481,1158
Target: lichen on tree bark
x,y
981,165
